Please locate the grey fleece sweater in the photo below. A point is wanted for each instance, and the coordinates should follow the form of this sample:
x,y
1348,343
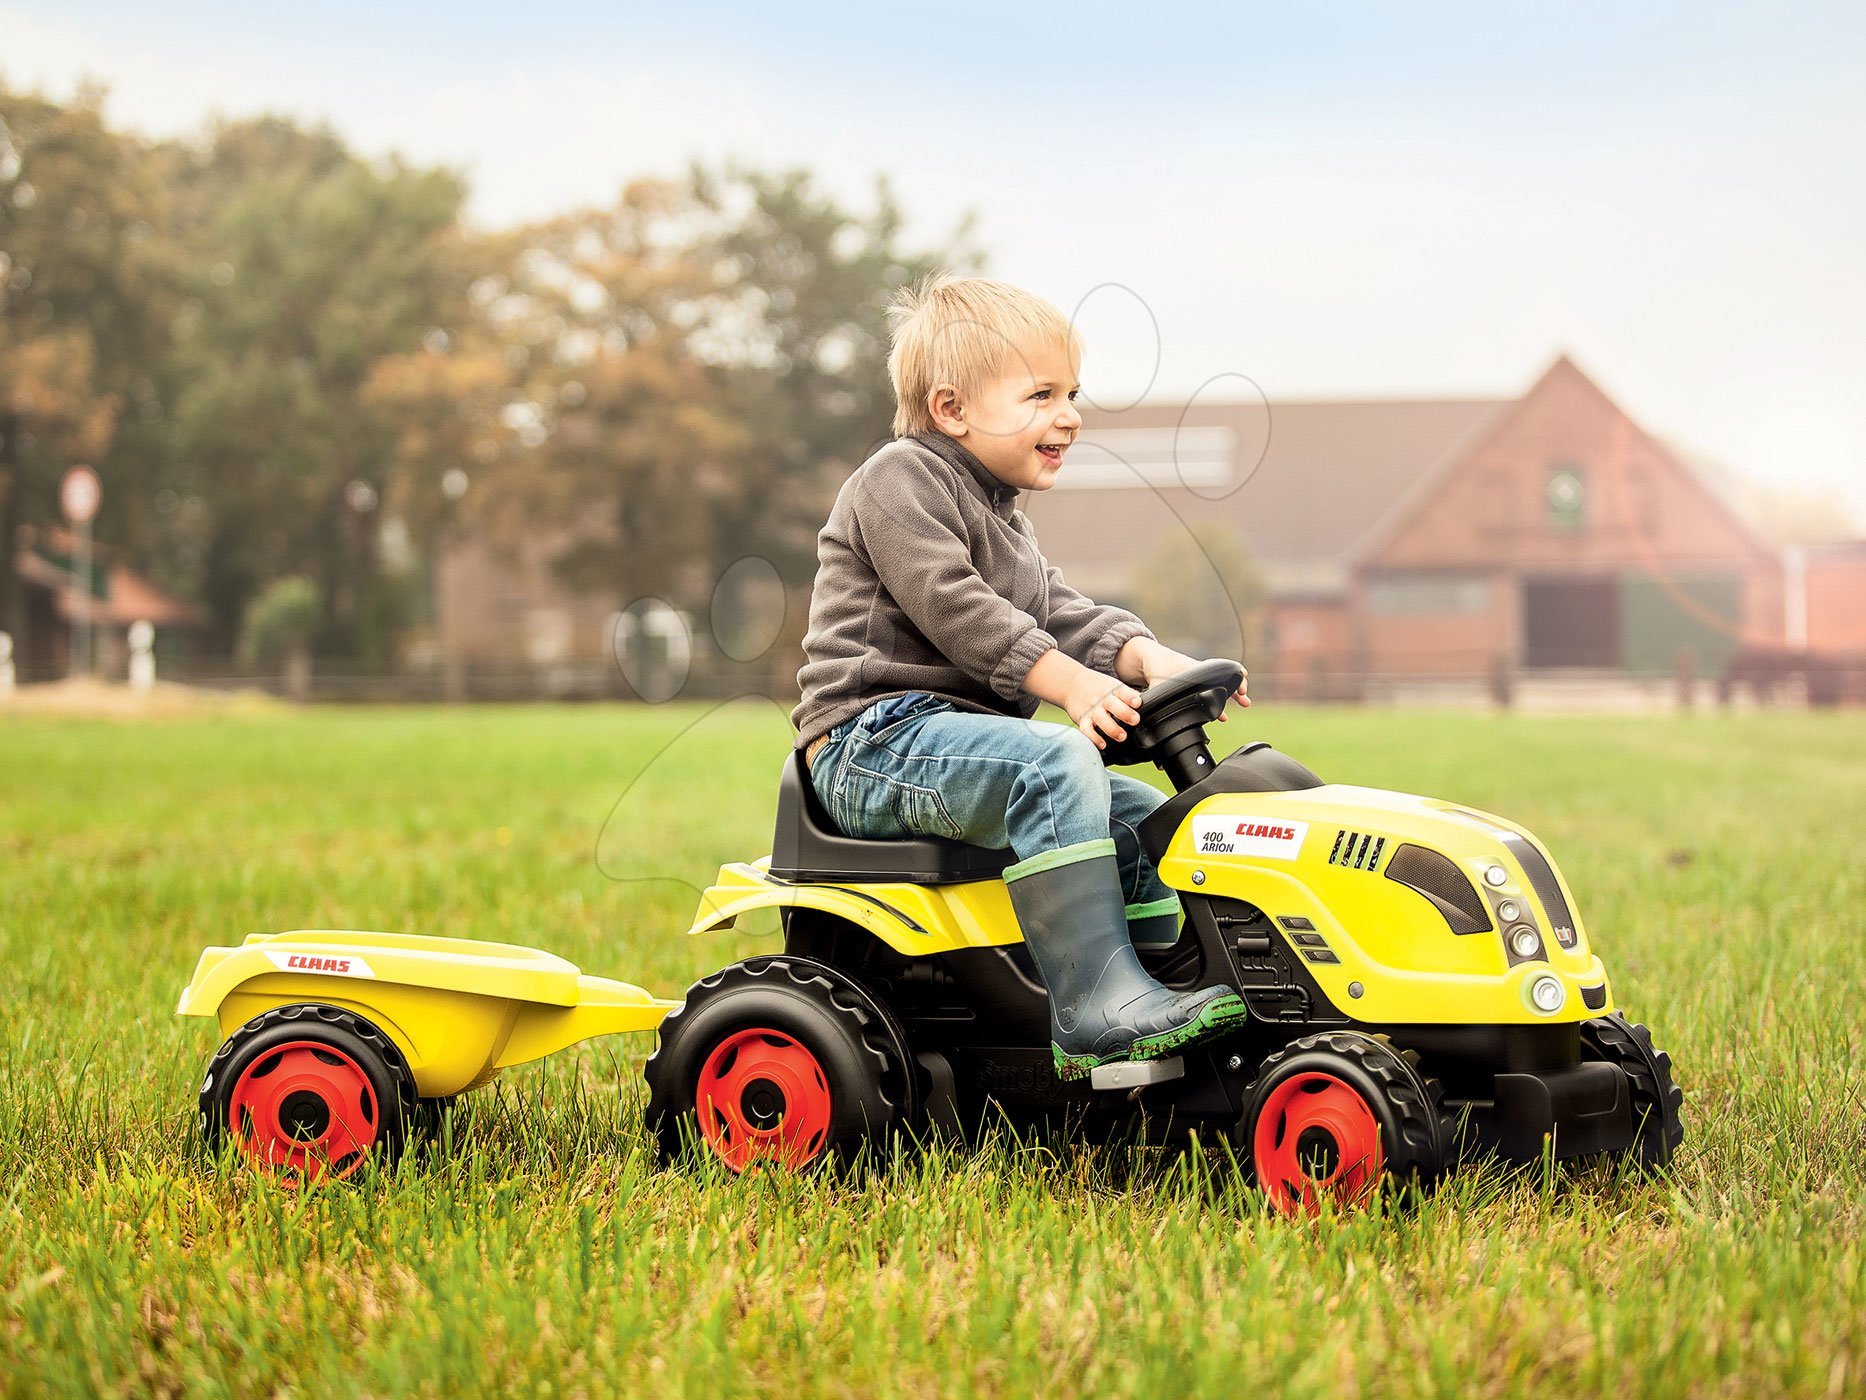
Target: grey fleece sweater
x,y
929,578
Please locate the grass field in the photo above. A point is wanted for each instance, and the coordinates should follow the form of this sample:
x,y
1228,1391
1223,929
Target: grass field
x,y
1718,863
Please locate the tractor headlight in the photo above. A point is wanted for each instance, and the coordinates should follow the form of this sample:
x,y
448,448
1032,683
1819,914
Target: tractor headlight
x,y
1496,875
1547,994
1509,911
1525,942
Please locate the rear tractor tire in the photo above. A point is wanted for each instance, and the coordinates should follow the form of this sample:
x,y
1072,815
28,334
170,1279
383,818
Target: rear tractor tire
x,y
779,1061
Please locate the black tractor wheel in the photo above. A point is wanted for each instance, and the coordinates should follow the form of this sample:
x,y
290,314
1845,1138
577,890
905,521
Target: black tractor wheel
x,y
1657,1125
308,1092
1335,1115
778,1059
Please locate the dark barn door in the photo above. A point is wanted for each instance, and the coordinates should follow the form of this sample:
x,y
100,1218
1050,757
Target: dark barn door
x,y
1571,622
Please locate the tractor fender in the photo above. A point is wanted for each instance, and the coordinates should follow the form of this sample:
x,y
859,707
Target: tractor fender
x,y
914,920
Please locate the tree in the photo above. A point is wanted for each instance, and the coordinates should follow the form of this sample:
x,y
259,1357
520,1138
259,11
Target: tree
x,y
82,293
694,370
606,429
279,625
279,354
801,331
306,266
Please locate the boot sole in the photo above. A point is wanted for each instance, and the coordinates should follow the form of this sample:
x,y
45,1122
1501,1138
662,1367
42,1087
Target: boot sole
x,y
1214,1017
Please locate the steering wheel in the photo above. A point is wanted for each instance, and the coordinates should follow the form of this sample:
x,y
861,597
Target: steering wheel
x,y
1186,702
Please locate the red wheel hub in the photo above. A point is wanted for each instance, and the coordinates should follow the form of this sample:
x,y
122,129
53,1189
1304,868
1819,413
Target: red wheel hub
x,y
1316,1136
762,1097
304,1107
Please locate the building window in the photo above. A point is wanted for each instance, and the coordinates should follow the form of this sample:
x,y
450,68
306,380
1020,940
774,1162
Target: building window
x,y
1412,594
1567,498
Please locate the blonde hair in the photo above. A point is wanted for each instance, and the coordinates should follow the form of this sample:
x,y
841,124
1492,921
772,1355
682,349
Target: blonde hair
x,y
961,331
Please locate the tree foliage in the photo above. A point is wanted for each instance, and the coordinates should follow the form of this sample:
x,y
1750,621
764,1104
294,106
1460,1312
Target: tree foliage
x,y
84,288
281,355
306,267
284,616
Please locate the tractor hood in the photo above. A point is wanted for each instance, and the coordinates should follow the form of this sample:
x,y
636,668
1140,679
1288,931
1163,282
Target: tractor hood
x,y
1403,908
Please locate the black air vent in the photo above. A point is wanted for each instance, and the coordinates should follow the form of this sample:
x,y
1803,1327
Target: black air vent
x,y
1357,850
1434,876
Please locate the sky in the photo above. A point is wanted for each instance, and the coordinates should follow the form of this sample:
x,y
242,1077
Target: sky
x,y
1357,200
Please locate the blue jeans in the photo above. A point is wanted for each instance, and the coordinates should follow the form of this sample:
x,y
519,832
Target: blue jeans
x,y
917,764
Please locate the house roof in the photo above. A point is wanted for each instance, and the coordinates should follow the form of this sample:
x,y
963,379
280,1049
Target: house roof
x,y
1406,509
1305,483
119,595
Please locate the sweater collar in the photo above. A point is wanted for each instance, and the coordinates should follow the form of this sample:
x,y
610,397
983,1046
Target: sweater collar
x,y
1001,496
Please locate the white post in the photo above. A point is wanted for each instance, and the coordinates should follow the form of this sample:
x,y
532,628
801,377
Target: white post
x,y
81,653
142,656
6,664
665,622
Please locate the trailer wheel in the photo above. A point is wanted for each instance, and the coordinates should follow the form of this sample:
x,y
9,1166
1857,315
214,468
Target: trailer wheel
x,y
780,1060
308,1092
1656,1101
1337,1114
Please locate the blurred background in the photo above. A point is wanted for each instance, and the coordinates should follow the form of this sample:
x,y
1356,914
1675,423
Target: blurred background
x,y
487,353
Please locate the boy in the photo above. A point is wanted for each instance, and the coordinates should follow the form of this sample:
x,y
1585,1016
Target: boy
x,y
936,626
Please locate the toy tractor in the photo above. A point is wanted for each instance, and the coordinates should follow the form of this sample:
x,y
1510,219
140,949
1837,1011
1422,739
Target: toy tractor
x,y
1420,987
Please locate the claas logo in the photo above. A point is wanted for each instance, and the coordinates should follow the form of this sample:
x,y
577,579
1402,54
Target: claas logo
x,y
304,962
1273,833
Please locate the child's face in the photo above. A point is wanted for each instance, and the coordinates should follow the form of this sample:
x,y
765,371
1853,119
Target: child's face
x,y
1020,424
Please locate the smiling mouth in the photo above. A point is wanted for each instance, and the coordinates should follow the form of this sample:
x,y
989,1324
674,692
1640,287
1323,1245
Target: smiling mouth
x,y
1052,450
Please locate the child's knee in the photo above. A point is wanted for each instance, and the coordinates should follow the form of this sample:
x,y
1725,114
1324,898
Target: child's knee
x,y
1072,760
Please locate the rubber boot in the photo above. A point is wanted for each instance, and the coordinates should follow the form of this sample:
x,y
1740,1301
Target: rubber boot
x,y
1103,1005
1154,925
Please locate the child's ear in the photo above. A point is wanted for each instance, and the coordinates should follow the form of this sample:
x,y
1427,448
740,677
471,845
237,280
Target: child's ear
x,y
948,413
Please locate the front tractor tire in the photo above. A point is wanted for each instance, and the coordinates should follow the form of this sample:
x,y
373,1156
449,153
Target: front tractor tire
x,y
1658,1127
778,1060
308,1093
1335,1115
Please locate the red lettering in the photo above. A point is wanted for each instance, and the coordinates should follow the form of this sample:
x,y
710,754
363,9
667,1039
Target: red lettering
x,y
311,964
1274,833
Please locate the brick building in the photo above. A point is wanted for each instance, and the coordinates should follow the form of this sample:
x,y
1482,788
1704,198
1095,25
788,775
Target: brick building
x,y
1428,540
1827,599
1401,541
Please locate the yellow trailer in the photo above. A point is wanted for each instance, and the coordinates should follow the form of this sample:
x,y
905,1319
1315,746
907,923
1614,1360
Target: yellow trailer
x,y
334,1039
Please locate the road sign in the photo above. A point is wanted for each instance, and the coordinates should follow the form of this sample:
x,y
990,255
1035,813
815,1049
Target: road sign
x,y
79,493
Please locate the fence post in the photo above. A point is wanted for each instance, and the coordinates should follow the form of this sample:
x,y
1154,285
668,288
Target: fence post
x,y
1502,682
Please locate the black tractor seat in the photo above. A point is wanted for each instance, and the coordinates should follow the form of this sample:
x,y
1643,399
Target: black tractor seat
x,y
807,845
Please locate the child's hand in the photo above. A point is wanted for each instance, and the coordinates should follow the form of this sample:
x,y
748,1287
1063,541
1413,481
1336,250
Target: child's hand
x,y
1103,706
1157,663
1241,695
